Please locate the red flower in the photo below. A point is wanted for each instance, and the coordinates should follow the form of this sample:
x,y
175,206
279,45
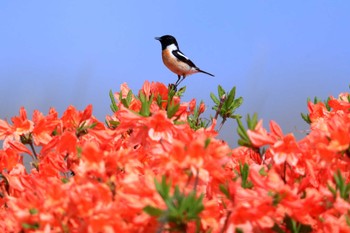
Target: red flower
x,y
89,177
21,124
260,137
44,126
286,150
317,111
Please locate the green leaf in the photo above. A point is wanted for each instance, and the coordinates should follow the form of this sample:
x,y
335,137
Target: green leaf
x,y
213,97
206,143
31,226
236,116
341,185
276,198
306,118
113,105
224,189
159,101
231,96
244,170
237,102
113,124
145,104
33,211
221,91
171,94
277,229
242,132
181,208
163,188
153,211
129,98
93,125
347,217
243,143
262,172
252,122
296,227
181,91
172,109
316,100
327,104
65,180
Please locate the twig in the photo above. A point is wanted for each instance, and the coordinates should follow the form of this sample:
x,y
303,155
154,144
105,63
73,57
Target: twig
x,y
33,149
226,222
222,100
222,123
284,172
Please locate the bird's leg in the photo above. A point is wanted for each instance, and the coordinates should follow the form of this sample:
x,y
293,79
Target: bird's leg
x,y
179,80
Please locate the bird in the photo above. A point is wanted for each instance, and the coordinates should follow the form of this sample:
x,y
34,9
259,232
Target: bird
x,y
175,60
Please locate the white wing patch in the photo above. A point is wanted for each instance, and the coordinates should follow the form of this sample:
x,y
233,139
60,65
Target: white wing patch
x,y
182,55
173,47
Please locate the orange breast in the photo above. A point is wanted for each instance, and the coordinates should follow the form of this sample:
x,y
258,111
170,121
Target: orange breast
x,y
176,66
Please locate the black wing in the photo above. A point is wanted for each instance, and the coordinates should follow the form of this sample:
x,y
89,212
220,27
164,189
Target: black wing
x,y
179,55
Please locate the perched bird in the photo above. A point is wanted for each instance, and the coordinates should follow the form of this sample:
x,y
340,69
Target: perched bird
x,y
175,60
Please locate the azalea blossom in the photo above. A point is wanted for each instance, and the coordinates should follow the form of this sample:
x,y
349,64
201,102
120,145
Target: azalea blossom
x,y
136,172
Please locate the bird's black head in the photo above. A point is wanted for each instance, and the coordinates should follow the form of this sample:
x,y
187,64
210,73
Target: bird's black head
x,y
167,40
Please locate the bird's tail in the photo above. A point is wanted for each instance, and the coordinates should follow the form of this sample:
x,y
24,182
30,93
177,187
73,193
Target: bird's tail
x,y
202,71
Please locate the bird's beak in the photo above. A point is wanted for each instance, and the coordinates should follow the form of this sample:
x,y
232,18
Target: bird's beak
x,y
157,38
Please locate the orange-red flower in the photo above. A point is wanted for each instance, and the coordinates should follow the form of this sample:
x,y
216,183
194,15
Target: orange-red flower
x,y
44,126
90,177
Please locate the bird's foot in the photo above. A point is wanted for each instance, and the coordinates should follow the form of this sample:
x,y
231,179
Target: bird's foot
x,y
172,87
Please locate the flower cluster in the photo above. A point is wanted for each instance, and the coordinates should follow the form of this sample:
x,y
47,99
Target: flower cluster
x,y
155,165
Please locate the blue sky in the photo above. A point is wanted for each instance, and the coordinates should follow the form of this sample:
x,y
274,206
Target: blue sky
x,y
276,53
